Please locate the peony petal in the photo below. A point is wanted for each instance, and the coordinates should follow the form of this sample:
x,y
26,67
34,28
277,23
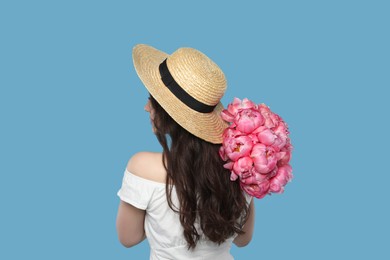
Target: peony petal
x,y
222,153
228,166
233,176
246,103
228,117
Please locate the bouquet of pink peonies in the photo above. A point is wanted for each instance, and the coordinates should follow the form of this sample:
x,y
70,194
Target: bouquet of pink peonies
x,y
256,147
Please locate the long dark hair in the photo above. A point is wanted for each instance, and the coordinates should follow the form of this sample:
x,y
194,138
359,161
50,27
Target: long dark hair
x,y
203,186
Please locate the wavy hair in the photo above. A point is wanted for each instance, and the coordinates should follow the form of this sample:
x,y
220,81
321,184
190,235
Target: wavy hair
x,y
204,190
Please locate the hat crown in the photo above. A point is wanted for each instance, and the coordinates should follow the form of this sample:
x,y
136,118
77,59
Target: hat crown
x,y
197,75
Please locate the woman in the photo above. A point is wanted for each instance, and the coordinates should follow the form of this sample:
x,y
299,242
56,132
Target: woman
x,y
182,199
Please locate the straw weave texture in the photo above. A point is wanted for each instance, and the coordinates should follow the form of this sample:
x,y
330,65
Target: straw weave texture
x,y
197,75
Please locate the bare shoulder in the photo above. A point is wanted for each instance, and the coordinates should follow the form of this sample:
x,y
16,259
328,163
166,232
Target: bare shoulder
x,y
147,165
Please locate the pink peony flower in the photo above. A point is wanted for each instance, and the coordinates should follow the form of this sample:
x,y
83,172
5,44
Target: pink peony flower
x,y
230,133
258,190
282,177
237,147
271,119
287,154
264,157
239,105
281,133
248,120
266,136
243,166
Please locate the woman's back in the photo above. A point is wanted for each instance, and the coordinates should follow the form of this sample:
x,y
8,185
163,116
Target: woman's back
x,y
144,186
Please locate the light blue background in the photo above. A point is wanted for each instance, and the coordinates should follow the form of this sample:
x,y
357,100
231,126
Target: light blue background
x,y
72,115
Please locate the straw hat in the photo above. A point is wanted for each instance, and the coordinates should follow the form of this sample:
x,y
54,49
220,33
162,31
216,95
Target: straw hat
x,y
188,85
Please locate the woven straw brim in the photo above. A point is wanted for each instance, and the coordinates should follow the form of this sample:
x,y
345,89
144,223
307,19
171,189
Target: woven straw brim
x,y
207,126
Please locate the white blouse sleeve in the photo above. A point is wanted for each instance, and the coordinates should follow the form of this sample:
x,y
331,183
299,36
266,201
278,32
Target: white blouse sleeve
x,y
136,191
248,198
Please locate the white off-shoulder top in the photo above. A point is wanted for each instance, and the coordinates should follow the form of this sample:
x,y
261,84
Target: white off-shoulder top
x,y
162,225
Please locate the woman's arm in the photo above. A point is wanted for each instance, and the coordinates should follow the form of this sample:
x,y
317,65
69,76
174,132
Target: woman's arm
x,y
244,239
130,220
130,224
